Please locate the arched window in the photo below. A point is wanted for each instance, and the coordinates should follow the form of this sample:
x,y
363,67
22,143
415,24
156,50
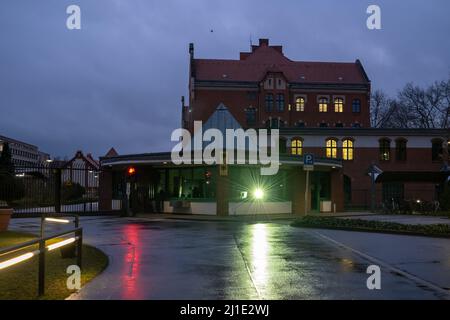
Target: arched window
x,y
436,149
323,105
269,102
300,104
338,105
385,149
400,150
297,147
347,149
331,148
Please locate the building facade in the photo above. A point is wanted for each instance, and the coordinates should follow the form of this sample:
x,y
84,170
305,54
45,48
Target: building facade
x,y
266,89
320,108
24,154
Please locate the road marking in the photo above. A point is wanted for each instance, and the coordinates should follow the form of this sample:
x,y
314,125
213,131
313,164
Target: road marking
x,y
247,267
385,265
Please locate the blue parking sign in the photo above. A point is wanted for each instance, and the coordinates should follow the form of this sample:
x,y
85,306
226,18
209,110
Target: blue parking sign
x,y
308,159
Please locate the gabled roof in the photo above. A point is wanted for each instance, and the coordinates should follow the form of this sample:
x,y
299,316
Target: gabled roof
x,y
111,153
253,66
88,160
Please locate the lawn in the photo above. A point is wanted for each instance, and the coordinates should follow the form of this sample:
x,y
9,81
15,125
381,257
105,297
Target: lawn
x,y
20,281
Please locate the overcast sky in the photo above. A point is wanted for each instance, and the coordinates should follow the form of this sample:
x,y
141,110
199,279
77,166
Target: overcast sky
x,y
118,81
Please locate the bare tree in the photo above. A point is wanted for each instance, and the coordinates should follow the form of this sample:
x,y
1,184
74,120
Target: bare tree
x,y
414,107
380,109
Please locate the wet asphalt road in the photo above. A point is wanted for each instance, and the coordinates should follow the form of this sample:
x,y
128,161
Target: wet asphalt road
x,y
167,259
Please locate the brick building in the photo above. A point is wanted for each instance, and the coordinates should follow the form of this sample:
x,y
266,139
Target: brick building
x,y
266,89
320,108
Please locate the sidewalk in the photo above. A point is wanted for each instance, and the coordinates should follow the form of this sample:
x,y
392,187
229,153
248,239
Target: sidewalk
x,y
243,218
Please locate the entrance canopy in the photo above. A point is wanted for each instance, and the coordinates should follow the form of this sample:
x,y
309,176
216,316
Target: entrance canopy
x,y
164,158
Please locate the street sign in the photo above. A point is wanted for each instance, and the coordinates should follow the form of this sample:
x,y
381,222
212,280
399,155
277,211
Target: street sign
x,y
308,162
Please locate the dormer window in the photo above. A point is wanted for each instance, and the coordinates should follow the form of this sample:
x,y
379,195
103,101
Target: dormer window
x,y
269,102
280,102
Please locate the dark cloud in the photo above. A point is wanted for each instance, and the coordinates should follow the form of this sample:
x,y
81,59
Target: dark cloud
x,y
118,81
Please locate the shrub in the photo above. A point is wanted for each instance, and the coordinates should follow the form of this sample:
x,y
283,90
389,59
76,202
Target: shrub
x,y
72,191
444,199
440,230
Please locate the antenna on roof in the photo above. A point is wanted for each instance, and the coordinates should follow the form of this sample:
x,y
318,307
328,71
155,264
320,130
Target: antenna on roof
x,y
251,42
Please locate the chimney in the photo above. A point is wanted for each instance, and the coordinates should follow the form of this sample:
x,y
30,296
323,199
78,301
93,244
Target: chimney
x,y
263,42
191,50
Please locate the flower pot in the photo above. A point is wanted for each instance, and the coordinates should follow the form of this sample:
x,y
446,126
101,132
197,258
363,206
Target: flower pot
x,y
5,216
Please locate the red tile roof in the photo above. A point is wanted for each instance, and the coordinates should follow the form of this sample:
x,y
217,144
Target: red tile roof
x,y
254,65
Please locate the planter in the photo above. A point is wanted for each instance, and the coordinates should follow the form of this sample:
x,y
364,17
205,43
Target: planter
x,y
5,216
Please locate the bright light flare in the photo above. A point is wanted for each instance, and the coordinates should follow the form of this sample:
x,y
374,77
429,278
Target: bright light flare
x,y
13,261
57,220
60,244
258,194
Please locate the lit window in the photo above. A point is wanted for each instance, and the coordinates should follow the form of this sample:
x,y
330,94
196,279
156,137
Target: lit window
x,y
323,105
347,149
356,106
280,102
385,149
269,102
300,104
338,105
400,150
297,147
331,149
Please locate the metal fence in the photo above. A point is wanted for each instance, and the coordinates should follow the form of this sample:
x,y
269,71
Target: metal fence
x,y
57,188
38,247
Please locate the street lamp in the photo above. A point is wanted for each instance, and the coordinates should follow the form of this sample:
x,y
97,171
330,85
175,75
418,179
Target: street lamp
x,y
258,194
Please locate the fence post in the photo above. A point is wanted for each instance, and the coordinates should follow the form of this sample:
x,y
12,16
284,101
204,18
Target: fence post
x,y
42,225
79,234
57,190
41,271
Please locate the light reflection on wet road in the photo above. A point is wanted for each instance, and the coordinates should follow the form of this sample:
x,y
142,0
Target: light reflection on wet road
x,y
166,259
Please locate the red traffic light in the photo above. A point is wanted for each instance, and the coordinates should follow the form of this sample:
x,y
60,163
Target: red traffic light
x,y
131,171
